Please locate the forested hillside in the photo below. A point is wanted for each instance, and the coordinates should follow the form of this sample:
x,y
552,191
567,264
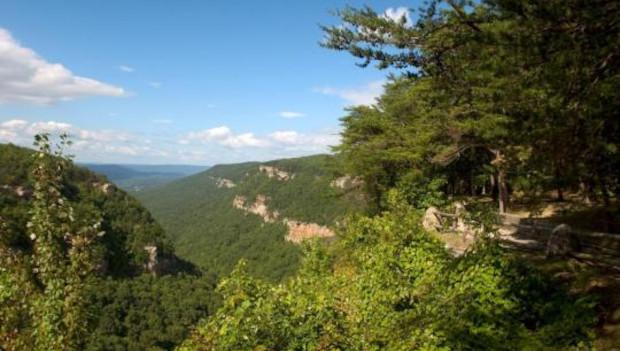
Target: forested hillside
x,y
248,210
128,226
117,295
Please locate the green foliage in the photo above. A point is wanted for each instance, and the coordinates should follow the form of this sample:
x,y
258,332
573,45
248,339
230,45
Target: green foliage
x,y
525,91
388,285
52,293
207,230
147,313
52,309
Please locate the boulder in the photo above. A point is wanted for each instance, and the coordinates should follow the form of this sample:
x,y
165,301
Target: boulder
x,y
561,241
431,219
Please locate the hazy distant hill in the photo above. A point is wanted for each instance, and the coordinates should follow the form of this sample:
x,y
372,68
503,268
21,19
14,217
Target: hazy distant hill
x,y
257,211
139,177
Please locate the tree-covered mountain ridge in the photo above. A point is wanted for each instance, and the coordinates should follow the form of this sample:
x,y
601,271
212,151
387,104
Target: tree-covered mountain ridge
x,y
132,242
257,211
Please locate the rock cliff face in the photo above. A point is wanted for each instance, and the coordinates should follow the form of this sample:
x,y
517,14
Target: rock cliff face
x,y
347,182
259,207
273,172
159,264
299,231
224,183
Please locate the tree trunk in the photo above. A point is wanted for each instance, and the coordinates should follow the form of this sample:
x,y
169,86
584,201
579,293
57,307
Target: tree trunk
x,y
493,180
503,191
502,187
585,193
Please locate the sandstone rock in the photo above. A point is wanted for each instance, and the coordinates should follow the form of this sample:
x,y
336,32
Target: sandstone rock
x,y
275,172
431,219
346,182
561,241
224,183
107,188
259,207
300,231
158,264
239,202
152,262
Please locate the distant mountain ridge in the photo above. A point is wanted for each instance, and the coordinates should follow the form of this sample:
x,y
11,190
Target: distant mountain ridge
x,y
256,211
136,177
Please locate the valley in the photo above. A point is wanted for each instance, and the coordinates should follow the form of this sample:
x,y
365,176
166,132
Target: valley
x,y
257,211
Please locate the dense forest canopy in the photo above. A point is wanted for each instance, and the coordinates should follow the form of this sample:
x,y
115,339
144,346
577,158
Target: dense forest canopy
x,y
73,265
511,100
198,213
524,92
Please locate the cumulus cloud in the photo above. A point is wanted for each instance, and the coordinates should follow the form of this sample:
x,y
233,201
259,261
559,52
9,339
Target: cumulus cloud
x,y
25,77
94,142
125,68
286,137
282,143
364,95
224,136
291,114
209,146
398,15
310,142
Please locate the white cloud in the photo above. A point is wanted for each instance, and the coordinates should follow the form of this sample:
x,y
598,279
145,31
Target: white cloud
x,y
25,77
291,114
14,124
125,68
398,14
156,85
224,136
283,143
365,95
286,137
100,143
210,146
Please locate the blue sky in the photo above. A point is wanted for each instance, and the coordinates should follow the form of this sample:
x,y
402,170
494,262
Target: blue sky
x,y
193,82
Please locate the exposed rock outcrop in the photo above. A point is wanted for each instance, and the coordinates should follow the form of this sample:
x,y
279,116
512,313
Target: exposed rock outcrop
x,y
259,207
297,231
431,219
273,172
561,241
157,263
347,182
106,188
300,231
224,183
